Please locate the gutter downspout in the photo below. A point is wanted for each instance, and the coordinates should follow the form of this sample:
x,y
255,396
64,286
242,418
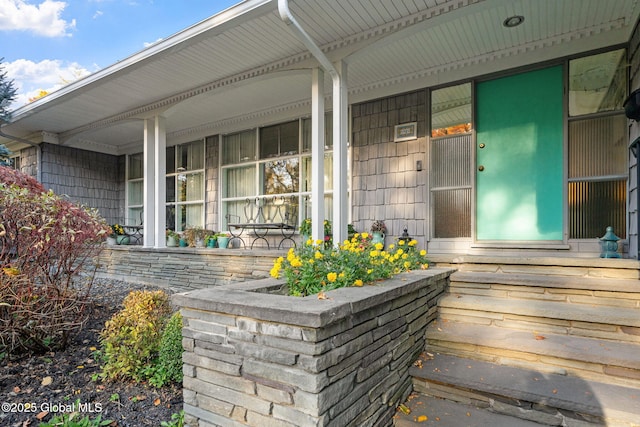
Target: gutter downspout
x,y
340,220
32,144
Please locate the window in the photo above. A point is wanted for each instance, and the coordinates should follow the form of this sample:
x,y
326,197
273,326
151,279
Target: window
x,y
185,186
273,160
135,189
451,158
597,164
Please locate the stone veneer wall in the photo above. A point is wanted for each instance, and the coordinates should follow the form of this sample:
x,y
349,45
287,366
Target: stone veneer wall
x,y
184,268
254,358
386,184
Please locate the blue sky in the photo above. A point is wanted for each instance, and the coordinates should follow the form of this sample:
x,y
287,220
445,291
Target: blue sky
x,y
49,43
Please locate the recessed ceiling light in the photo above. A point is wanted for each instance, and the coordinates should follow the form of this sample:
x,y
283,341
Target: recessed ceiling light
x,y
513,21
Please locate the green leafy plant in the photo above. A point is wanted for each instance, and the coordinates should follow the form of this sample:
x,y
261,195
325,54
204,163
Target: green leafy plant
x,y
131,338
177,420
168,367
116,230
313,267
75,419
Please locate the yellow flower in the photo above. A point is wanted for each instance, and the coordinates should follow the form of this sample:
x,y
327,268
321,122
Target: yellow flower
x,y
358,282
11,271
413,242
400,242
379,246
318,255
331,277
318,242
275,271
399,252
295,262
423,252
374,254
365,235
341,275
391,246
405,256
407,264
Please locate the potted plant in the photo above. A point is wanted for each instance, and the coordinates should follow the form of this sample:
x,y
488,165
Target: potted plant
x,y
379,231
305,230
210,240
117,233
223,239
195,236
172,239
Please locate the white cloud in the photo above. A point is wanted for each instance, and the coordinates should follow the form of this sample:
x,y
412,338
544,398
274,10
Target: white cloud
x,y
50,75
98,14
43,19
147,44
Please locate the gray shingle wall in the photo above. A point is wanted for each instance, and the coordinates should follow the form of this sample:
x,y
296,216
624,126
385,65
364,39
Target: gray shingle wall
x,y
386,185
212,151
89,178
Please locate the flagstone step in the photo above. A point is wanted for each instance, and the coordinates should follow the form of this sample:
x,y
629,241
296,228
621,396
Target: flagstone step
x,y
614,323
541,397
549,265
579,290
428,411
614,362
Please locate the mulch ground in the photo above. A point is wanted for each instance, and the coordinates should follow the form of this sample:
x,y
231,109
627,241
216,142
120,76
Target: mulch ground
x,y
33,388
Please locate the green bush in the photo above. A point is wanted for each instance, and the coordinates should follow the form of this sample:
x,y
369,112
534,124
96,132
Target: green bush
x,y
168,367
131,338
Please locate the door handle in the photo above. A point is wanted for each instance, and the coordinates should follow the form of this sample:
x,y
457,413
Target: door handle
x,y
480,168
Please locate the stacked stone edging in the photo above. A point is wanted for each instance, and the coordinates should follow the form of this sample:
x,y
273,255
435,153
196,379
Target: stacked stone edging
x,y
256,358
184,268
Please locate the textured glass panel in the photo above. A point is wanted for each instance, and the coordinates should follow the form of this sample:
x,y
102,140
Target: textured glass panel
x,y
451,110
597,83
135,192
240,182
598,147
239,147
452,213
593,206
281,176
136,166
451,161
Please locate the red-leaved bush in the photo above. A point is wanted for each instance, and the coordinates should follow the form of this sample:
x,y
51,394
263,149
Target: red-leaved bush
x,y
45,243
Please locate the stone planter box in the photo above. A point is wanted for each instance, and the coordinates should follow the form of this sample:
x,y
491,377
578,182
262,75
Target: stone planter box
x,y
254,356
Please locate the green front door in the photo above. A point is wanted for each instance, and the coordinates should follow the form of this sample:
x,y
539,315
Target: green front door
x,y
519,170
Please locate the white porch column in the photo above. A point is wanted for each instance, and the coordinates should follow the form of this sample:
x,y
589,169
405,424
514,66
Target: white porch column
x,y
160,181
317,154
149,202
340,127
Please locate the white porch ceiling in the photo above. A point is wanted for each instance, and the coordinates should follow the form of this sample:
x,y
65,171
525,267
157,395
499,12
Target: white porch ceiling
x,y
231,71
